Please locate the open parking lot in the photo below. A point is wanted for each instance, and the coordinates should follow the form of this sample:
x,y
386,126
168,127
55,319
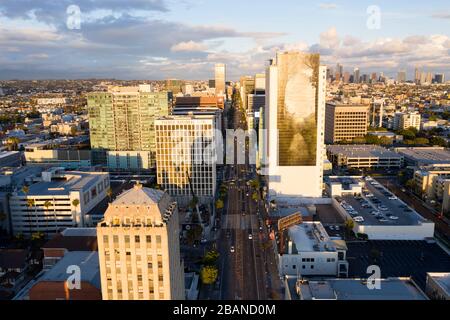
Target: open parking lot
x,y
397,259
378,206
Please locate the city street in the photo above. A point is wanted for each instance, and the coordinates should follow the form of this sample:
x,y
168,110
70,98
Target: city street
x,y
247,265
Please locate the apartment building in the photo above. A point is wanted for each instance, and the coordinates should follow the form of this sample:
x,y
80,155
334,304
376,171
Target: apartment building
x,y
122,119
406,120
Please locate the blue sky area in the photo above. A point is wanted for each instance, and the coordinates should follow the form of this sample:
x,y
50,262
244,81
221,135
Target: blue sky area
x,y
158,39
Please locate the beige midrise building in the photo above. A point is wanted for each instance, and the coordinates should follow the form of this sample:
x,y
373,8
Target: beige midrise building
x,y
345,121
138,246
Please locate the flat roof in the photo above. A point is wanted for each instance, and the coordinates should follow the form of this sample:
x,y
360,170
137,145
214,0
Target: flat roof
x,y
395,207
310,236
356,289
426,155
86,260
65,182
442,278
362,151
4,154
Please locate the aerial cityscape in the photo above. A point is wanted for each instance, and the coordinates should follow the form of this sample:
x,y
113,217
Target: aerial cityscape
x,y
221,150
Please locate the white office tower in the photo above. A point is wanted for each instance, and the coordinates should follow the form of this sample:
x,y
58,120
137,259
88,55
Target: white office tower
x,y
185,157
139,249
220,78
295,122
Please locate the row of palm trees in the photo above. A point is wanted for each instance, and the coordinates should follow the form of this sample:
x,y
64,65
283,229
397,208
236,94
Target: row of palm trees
x,y
31,203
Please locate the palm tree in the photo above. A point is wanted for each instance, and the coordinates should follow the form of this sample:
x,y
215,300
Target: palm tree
x,y
76,203
13,143
109,193
47,204
30,203
25,189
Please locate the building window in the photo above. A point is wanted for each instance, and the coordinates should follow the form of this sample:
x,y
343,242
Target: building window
x,y
137,239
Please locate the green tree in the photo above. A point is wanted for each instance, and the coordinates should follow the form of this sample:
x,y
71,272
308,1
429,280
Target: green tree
x,y
359,140
408,134
255,196
13,143
219,204
25,189
210,258
411,184
109,193
385,141
421,141
209,274
349,225
438,141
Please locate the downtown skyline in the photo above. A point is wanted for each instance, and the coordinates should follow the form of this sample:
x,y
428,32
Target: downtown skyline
x,y
163,39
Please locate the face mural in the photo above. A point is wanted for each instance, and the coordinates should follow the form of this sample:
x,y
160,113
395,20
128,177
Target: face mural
x,y
297,108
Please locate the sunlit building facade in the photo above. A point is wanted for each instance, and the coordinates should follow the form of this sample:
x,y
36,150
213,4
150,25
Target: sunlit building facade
x,y
185,147
295,122
122,119
220,78
138,247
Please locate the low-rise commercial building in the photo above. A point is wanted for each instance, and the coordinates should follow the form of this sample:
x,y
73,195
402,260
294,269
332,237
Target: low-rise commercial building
x,y
62,199
363,156
52,285
352,289
42,154
309,251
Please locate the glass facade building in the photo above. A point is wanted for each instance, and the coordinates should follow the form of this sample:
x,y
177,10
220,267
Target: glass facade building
x,y
297,108
122,119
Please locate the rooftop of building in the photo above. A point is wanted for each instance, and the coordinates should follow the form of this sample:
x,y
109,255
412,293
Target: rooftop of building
x,y
426,155
86,261
355,289
362,151
139,195
63,182
74,239
349,105
187,117
442,279
5,154
309,237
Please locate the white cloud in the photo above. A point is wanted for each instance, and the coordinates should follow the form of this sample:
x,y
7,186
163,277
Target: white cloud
x,y
328,6
330,38
189,46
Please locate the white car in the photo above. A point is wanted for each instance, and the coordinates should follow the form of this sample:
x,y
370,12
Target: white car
x,y
393,217
358,219
232,249
393,198
250,236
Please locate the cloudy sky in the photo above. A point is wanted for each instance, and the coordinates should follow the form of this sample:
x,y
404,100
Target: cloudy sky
x,y
159,39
